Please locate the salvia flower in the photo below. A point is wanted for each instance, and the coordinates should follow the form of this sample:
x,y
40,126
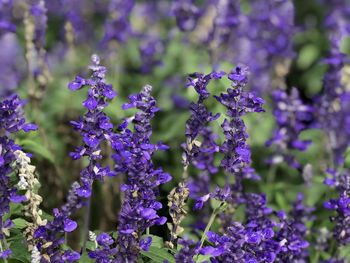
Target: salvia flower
x,y
186,14
334,106
292,116
187,252
118,26
133,157
341,181
335,98
6,23
95,129
200,146
237,157
12,64
106,249
293,232
241,244
150,49
12,121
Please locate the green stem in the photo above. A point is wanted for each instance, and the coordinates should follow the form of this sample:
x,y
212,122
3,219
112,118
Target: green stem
x,y
86,225
271,173
211,221
147,231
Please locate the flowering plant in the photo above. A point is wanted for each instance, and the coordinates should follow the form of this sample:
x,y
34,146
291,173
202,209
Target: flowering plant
x,y
203,131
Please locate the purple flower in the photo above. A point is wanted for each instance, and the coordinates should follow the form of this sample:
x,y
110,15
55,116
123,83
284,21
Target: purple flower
x,y
12,121
187,252
69,225
12,63
104,240
150,48
186,14
6,23
145,243
292,116
341,181
238,102
117,26
5,254
293,232
133,156
95,129
70,256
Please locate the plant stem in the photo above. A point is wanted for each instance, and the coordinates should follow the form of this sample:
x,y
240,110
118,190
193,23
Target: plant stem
x,y
147,231
211,221
271,175
86,224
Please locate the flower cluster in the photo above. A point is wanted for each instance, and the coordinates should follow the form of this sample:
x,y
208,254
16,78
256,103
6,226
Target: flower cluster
x,y
292,116
262,239
117,26
293,232
133,157
334,101
237,156
186,14
6,24
12,121
341,182
188,250
12,62
95,129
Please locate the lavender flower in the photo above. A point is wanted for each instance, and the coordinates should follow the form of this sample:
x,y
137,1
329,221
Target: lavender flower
x,y
12,121
96,129
134,158
292,117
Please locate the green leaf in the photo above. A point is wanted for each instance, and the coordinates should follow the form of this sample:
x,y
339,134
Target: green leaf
x,y
281,200
344,252
85,259
158,255
19,250
20,223
202,258
39,149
